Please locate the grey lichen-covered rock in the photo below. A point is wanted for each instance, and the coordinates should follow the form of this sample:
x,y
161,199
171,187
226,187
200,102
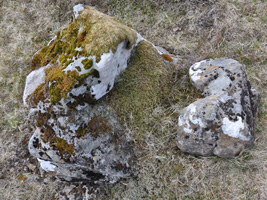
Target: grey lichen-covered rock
x,y
80,133
222,122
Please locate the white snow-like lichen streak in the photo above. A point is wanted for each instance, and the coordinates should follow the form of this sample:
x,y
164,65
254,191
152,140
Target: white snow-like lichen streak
x,y
78,49
184,120
46,165
33,80
53,39
194,71
192,110
189,116
233,128
110,66
77,9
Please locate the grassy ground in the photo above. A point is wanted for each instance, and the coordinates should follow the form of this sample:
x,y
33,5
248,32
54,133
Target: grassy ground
x,y
192,29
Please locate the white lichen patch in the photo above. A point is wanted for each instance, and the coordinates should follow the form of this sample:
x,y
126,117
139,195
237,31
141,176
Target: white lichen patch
x,y
33,80
189,117
47,165
233,129
77,9
53,39
194,71
192,117
217,87
78,49
42,107
110,66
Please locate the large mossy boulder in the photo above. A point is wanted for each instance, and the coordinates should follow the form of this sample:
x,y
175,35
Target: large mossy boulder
x,y
80,133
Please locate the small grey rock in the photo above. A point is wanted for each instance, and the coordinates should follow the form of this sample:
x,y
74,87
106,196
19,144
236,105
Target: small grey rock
x,y
221,123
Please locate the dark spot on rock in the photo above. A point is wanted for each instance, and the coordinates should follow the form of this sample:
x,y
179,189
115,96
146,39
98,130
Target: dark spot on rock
x,y
108,88
118,66
195,129
128,45
216,76
78,68
228,71
238,75
93,175
210,144
41,154
232,78
186,137
35,143
95,74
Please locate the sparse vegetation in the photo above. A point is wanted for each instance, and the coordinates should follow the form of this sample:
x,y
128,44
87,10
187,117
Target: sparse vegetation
x,y
194,30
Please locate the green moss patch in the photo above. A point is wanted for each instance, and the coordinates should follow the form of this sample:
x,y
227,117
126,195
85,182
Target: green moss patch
x,y
61,82
144,85
80,132
87,63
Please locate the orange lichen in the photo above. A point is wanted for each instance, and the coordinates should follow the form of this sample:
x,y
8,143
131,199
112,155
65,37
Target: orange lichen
x,y
167,57
21,177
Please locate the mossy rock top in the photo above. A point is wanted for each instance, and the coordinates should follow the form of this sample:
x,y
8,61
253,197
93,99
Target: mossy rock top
x,y
93,45
90,34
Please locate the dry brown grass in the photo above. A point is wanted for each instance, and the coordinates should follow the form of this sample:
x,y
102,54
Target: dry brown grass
x,y
193,29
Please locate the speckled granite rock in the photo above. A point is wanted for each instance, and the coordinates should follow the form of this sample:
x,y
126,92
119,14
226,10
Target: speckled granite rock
x,y
222,122
79,132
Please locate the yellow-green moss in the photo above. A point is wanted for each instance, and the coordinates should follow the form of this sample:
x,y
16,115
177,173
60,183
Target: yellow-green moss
x,y
87,63
63,146
61,82
80,132
144,85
